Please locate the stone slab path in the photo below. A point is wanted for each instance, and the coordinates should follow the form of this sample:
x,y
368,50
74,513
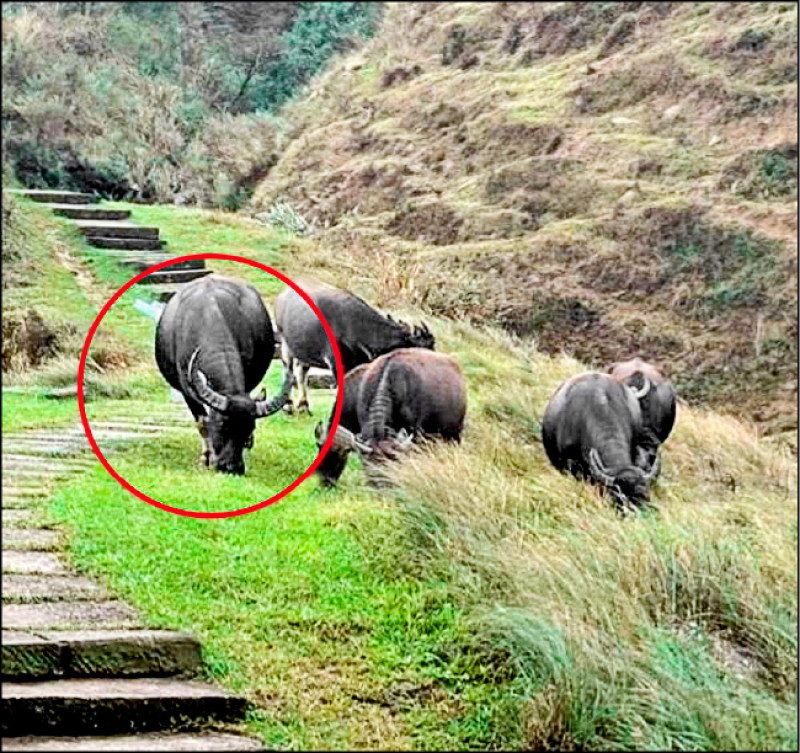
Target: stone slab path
x,y
80,669
111,231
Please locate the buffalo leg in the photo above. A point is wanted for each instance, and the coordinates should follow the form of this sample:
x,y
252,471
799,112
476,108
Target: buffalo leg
x,y
205,455
301,380
288,366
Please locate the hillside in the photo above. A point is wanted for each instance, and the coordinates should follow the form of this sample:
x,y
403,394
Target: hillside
x,y
608,179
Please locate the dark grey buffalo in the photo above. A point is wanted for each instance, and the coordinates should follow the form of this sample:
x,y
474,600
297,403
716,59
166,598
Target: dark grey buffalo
x,y
657,401
592,428
214,343
408,394
361,332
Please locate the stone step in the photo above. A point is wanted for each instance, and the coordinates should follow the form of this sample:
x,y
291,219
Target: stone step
x,y
34,563
177,276
12,459
113,229
108,706
46,447
141,263
44,472
129,244
29,539
54,196
29,589
68,615
99,653
78,212
26,488
167,742
162,291
16,515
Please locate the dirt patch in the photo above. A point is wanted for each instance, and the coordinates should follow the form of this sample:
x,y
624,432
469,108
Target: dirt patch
x,y
630,85
762,56
548,188
431,223
573,26
763,174
504,143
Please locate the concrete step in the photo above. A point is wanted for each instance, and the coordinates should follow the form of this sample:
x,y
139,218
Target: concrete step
x,y
29,539
30,589
125,244
78,212
46,447
109,706
34,563
15,516
141,263
112,229
99,653
177,276
53,196
167,742
68,615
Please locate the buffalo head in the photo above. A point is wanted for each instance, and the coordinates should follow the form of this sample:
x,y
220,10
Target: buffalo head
x,y
628,484
416,337
345,442
231,418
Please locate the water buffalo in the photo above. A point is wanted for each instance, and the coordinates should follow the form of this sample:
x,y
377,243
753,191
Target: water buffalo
x,y
404,395
592,428
656,397
214,343
361,332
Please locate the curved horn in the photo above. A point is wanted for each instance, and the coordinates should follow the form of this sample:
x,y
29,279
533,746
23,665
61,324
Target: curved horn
x,y
598,469
643,390
199,382
381,408
265,407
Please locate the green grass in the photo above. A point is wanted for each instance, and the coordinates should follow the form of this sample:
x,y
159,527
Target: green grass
x,y
32,410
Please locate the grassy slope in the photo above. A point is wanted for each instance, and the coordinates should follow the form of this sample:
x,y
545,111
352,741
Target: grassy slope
x,y
462,610
609,178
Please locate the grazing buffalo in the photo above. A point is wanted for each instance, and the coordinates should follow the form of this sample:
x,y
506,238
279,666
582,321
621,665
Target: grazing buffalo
x,y
214,343
361,332
592,428
407,394
656,397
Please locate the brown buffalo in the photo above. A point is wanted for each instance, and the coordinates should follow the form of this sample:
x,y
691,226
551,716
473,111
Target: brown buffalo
x,y
408,394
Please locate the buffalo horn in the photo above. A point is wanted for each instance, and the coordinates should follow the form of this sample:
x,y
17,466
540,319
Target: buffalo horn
x,y
345,441
597,468
654,470
207,395
641,392
265,407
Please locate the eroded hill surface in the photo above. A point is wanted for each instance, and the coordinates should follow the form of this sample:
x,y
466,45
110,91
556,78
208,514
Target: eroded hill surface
x,y
610,179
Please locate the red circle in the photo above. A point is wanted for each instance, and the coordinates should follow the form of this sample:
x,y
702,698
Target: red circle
x,y
244,510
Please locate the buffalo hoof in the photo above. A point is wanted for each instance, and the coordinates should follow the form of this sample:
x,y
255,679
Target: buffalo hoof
x,y
288,408
205,458
303,409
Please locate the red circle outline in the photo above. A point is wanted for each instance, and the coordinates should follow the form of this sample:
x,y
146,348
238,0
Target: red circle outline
x,y
244,510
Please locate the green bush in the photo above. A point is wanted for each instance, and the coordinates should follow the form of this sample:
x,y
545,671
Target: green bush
x,y
319,31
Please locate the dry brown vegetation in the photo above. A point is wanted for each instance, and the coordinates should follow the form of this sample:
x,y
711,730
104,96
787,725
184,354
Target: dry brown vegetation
x,y
609,179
